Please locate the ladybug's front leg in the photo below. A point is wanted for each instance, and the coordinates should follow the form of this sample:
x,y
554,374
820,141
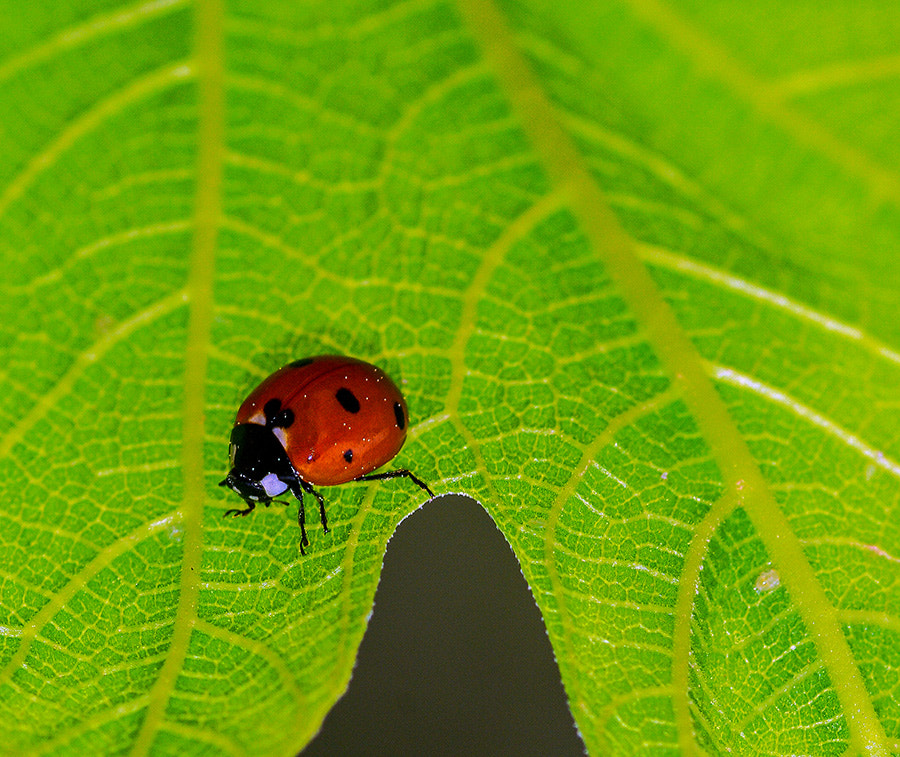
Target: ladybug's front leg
x,y
297,491
297,487
250,506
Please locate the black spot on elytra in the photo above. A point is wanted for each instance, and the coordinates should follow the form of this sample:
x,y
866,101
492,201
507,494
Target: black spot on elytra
x,y
347,399
284,419
300,363
275,416
348,456
398,414
270,410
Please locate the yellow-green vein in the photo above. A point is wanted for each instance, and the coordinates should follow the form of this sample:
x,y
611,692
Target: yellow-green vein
x,y
567,493
78,581
684,609
715,62
491,260
52,396
741,474
76,36
207,212
139,89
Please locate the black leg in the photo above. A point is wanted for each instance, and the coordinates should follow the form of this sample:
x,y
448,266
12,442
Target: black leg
x,y
297,491
402,473
309,488
247,511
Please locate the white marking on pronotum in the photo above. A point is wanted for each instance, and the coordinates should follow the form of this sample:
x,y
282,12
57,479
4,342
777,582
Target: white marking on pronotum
x,y
273,485
851,440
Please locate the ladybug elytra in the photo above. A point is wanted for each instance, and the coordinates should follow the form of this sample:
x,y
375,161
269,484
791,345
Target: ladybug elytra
x,y
320,421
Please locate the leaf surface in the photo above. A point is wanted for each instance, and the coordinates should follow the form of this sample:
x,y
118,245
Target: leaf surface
x,y
632,264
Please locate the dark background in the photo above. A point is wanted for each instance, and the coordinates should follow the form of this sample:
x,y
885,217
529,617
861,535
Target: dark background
x,y
456,660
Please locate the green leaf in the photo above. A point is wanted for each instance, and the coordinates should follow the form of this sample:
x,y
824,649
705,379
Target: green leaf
x,y
633,264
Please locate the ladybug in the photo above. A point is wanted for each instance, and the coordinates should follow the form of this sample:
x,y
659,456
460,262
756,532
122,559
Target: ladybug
x,y
320,421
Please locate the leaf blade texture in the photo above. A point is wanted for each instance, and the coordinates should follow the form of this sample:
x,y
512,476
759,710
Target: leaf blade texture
x,y
632,265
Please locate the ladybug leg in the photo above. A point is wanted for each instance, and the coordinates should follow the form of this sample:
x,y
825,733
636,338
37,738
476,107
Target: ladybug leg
x,y
297,488
311,490
402,473
297,491
249,509
301,521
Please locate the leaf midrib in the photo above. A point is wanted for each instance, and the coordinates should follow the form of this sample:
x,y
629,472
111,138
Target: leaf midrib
x,y
209,22
567,170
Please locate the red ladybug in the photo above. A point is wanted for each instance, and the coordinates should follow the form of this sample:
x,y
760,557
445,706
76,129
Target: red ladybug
x,y
320,421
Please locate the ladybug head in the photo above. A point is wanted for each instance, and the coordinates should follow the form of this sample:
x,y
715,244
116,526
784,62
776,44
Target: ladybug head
x,y
260,468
